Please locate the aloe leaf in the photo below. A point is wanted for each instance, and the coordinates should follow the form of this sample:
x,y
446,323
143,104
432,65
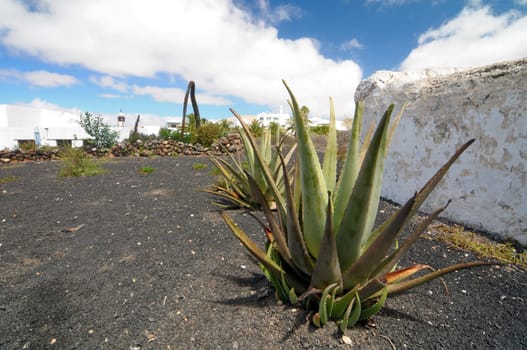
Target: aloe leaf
x,y
352,314
324,299
369,261
253,248
432,183
314,190
394,258
403,274
366,142
394,124
278,234
295,239
329,165
409,284
248,150
420,197
265,150
361,211
265,169
372,310
350,170
229,196
327,268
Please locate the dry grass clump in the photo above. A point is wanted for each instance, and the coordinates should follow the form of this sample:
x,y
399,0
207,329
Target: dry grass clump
x,y
458,237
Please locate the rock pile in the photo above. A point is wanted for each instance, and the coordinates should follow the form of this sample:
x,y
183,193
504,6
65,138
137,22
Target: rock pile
x,y
224,145
17,155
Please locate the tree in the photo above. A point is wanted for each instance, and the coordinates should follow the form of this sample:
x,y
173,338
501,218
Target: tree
x,y
256,128
103,135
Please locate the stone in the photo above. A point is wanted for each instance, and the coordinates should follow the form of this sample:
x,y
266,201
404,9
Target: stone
x,y
445,109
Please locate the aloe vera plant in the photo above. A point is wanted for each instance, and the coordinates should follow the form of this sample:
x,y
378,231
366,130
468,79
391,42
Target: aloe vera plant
x,y
234,186
322,249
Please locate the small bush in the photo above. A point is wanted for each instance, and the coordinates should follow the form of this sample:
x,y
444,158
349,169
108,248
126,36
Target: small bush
x,y
207,133
320,129
75,162
7,179
199,166
146,170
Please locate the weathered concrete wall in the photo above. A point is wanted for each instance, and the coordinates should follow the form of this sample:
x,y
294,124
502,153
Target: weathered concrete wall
x,y
488,184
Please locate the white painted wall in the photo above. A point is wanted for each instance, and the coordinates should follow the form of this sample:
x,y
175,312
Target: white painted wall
x,y
488,184
22,122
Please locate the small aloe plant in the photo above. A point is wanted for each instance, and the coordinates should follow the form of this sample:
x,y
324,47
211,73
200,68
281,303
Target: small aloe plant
x,y
234,186
322,249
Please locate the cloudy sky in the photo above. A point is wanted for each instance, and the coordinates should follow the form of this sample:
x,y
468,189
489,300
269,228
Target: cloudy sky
x,y
137,56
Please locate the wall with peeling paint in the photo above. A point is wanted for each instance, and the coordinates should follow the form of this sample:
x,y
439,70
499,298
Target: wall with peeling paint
x,y
488,184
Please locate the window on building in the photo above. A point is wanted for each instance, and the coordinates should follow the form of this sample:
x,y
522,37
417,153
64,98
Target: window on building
x,y
63,143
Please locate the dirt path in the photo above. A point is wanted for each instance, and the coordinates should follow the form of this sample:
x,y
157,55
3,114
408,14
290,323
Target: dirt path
x,y
134,261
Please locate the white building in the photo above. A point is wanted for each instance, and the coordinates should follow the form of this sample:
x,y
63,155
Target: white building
x,y
125,125
29,126
281,118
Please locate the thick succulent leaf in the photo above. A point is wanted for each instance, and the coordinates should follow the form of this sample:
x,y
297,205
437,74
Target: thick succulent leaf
x,y
369,261
265,151
372,310
265,169
342,302
371,289
314,190
327,267
403,274
366,142
329,165
362,208
432,183
229,171
295,239
277,231
326,299
409,284
420,197
229,196
249,151
394,124
352,314
350,170
391,261
253,248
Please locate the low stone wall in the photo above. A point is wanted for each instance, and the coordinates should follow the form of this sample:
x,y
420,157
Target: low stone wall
x,y
488,184
227,144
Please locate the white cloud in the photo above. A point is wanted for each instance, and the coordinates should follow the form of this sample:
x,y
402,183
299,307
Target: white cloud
x,y
39,78
351,45
39,103
110,82
280,13
176,95
475,37
213,42
390,2
521,2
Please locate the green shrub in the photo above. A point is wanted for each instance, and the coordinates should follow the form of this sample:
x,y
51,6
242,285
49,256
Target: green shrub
x,y
75,162
103,135
146,170
207,133
319,129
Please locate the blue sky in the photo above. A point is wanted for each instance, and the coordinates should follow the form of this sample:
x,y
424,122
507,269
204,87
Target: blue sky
x,y
106,55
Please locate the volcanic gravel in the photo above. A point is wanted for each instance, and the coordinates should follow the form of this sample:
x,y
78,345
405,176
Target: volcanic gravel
x,y
127,260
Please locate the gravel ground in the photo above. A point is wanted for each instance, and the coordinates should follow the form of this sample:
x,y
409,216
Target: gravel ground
x,y
127,260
